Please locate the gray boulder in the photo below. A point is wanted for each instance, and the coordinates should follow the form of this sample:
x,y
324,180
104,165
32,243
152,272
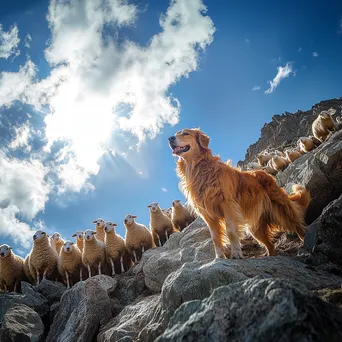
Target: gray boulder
x,y
320,171
83,310
256,310
51,290
324,236
21,323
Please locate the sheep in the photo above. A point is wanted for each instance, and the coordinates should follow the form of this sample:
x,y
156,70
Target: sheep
x,y
339,122
263,158
100,233
306,144
181,217
138,237
278,163
269,168
115,247
93,251
43,258
161,226
11,269
278,153
167,212
323,125
292,155
253,166
58,241
79,239
70,263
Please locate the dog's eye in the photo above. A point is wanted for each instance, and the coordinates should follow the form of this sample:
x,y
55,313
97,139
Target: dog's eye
x,y
184,134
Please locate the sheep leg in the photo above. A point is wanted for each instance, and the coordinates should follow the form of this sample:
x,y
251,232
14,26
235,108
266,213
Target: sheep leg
x,y
89,271
38,278
159,241
113,268
166,236
81,274
67,279
135,256
44,274
15,286
99,267
5,287
122,265
142,248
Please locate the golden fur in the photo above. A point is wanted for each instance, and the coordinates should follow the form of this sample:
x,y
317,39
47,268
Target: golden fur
x,y
227,198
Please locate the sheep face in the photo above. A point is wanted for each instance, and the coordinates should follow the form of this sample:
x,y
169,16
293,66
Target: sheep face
x,y
68,247
129,219
153,207
99,222
78,235
167,211
89,235
109,226
56,236
39,235
176,203
5,251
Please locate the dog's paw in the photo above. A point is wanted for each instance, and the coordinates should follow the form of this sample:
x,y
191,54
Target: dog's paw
x,y
236,254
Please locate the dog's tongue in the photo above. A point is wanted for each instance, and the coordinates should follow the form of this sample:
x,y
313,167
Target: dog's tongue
x,y
176,149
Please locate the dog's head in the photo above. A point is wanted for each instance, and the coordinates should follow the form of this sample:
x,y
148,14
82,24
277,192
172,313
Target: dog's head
x,y
189,142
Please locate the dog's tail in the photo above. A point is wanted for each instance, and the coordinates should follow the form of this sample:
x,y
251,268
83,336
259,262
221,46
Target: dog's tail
x,y
300,195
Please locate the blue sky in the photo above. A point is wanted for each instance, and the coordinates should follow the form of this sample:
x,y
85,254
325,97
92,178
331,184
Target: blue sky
x,y
90,93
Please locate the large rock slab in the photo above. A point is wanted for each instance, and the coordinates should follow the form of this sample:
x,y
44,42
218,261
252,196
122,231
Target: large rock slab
x,y
325,234
83,310
21,323
51,290
320,171
256,310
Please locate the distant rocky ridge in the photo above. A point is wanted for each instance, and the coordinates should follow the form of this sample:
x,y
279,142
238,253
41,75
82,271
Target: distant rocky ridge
x,y
179,292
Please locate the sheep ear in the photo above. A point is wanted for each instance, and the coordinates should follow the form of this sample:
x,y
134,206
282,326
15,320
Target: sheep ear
x,y
10,247
95,221
74,235
149,206
93,233
115,225
133,216
203,140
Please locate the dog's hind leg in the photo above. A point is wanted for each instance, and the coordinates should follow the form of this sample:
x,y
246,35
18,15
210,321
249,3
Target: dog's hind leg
x,y
231,229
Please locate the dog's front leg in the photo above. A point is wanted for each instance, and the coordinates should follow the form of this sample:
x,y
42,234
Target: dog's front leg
x,y
214,228
236,252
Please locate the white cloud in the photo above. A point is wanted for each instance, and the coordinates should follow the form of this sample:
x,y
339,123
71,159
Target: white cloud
x,y
28,40
9,42
247,40
282,73
315,54
300,49
19,232
21,138
164,189
23,185
256,87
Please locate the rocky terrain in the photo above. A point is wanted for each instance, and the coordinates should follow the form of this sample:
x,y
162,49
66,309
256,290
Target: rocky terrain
x,y
179,292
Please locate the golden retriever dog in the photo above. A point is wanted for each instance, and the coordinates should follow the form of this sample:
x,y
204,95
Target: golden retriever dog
x,y
228,199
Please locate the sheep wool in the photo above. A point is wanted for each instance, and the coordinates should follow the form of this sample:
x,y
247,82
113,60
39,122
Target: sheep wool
x,y
181,217
161,226
292,155
79,239
324,124
114,246
70,263
93,255
27,269
100,233
43,258
11,269
138,237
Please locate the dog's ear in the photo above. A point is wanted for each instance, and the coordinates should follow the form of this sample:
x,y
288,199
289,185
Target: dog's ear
x,y
203,140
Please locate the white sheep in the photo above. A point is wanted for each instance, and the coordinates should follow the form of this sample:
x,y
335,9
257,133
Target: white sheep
x,y
324,124
161,226
43,258
79,239
253,166
58,241
11,269
115,247
138,237
70,263
181,216
167,212
100,233
93,252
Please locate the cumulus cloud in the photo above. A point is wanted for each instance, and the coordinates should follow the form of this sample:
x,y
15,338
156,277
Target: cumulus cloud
x,y
315,54
21,137
256,87
23,185
9,41
282,73
164,189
